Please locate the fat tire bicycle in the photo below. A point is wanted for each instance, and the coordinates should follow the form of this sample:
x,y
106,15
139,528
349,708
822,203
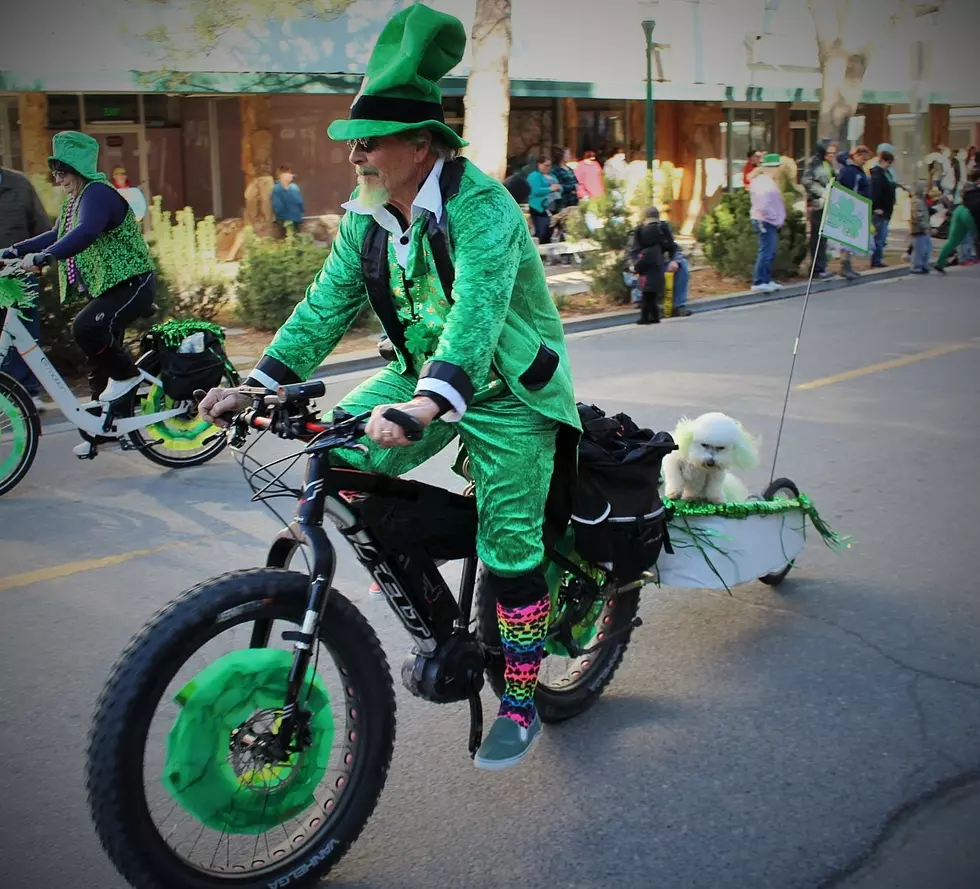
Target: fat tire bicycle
x,y
281,737
146,419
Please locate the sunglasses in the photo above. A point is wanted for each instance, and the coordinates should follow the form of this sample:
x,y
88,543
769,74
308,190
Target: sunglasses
x,y
365,145
60,168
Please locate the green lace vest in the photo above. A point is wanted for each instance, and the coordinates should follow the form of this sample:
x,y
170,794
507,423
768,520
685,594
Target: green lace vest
x,y
115,256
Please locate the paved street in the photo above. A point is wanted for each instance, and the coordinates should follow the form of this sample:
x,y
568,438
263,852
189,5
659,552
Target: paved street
x,y
762,740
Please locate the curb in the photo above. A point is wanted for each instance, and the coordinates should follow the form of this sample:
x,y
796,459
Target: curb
x,y
369,359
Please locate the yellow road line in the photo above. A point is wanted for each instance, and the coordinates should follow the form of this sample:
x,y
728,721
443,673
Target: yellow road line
x,y
56,572
885,365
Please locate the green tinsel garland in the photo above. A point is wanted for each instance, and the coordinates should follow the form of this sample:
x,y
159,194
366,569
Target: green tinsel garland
x,y
173,333
688,509
14,291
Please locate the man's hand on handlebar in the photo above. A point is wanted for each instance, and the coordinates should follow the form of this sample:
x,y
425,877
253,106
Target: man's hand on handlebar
x,y
387,434
219,405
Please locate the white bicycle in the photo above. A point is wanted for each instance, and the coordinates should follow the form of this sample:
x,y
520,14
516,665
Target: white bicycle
x,y
167,431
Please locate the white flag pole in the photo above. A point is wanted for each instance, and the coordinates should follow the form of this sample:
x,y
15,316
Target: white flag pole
x,y
799,333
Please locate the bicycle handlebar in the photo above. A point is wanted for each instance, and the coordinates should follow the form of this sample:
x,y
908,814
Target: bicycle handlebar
x,y
286,413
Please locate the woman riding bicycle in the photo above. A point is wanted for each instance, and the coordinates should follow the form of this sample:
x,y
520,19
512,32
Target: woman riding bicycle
x,y
102,257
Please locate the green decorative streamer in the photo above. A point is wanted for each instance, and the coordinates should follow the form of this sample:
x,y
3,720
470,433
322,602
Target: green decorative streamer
x,y
173,333
15,292
689,509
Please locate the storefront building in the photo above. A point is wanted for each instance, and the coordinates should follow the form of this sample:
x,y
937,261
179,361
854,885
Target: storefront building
x,y
196,128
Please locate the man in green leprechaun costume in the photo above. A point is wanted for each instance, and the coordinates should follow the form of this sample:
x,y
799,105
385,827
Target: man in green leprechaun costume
x,y
479,346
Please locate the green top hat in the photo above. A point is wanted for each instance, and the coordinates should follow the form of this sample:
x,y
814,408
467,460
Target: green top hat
x,y
400,90
80,152
771,160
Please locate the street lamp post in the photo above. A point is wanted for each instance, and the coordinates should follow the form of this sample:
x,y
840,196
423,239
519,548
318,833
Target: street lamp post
x,y
648,27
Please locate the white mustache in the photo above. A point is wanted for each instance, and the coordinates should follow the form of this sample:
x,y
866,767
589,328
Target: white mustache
x,y
367,171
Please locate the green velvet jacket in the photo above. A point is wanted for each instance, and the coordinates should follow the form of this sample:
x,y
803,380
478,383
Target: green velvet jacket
x,y
502,312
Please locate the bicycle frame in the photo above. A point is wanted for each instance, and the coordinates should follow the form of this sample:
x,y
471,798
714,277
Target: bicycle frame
x,y
15,335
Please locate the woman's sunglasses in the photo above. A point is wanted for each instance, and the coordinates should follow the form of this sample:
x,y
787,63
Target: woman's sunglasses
x,y
60,168
365,145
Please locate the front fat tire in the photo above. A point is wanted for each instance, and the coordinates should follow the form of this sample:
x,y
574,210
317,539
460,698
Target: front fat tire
x,y
15,398
114,774
554,705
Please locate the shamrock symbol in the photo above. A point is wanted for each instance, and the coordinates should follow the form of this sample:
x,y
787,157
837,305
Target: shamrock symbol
x,y
419,338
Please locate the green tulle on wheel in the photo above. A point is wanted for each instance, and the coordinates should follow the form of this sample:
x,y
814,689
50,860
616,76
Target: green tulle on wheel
x,y
202,775
16,292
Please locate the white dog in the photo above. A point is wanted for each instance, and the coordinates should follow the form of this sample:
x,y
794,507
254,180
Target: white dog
x,y
708,447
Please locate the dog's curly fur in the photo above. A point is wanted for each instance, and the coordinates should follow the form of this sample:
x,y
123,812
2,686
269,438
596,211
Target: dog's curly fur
x,y
709,446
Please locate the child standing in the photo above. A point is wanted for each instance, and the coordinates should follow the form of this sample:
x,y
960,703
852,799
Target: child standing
x,y
920,231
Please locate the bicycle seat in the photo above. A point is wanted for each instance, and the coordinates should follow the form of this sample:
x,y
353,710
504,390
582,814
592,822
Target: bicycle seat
x,y
151,311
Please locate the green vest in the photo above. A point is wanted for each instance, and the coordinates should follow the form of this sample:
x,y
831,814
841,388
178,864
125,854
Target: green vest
x,y
115,256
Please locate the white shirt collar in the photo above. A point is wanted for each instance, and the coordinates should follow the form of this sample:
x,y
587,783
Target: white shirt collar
x,y
429,198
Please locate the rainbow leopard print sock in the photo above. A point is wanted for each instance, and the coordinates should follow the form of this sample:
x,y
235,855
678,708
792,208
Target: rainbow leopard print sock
x,y
522,634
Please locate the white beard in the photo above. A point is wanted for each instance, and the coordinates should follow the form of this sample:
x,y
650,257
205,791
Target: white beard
x,y
372,194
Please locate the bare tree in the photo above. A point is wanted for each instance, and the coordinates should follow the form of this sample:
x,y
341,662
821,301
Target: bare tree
x,y
487,100
847,32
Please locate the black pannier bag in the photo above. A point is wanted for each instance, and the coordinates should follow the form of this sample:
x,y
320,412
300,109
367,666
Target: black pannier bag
x,y
183,372
618,516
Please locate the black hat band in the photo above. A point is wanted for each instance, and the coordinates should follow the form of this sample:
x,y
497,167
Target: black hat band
x,y
396,110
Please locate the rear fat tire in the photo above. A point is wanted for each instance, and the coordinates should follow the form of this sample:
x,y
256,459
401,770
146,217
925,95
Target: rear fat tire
x,y
554,705
20,398
114,773
775,486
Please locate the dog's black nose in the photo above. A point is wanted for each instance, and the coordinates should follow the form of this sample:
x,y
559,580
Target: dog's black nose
x,y
709,462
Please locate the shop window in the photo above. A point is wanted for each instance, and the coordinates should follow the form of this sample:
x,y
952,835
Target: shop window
x,y
63,112
752,130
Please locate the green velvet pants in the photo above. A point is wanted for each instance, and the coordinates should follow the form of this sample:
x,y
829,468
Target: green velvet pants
x,y
512,456
960,223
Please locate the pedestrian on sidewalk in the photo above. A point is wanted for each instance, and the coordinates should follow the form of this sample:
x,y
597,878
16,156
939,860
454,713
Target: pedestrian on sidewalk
x,y
649,245
752,161
883,189
965,222
287,200
589,175
920,230
852,176
22,216
816,181
545,192
767,214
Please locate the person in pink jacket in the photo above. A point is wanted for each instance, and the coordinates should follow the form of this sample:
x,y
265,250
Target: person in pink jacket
x,y
768,213
589,175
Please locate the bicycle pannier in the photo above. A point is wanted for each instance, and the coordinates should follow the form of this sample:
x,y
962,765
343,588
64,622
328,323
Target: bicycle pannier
x,y
184,371
618,516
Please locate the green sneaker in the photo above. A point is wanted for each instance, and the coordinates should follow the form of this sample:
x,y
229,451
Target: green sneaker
x,y
506,744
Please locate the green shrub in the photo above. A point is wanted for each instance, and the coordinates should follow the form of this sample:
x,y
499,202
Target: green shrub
x,y
273,277
731,246
190,282
605,267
